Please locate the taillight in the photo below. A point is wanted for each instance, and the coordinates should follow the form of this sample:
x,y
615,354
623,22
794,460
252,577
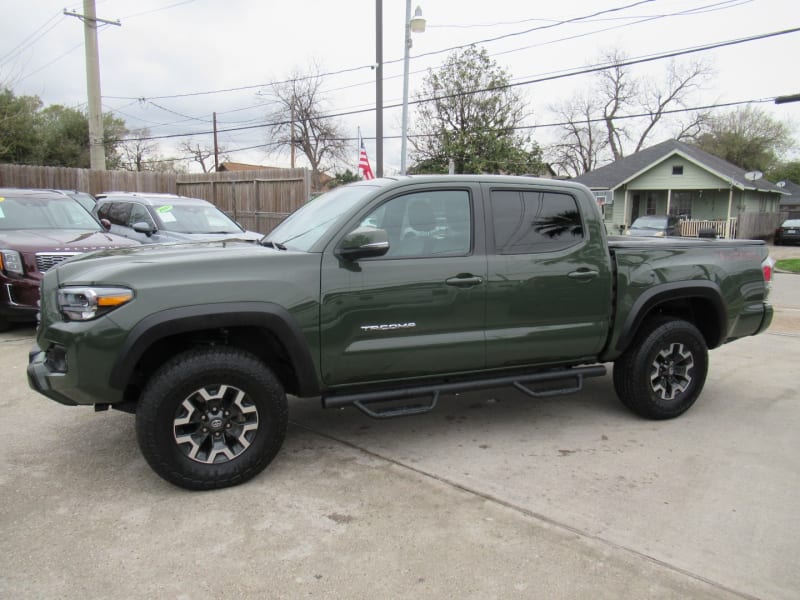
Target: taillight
x,y
766,268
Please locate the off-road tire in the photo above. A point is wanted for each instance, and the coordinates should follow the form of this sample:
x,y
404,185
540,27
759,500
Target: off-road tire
x,y
662,373
249,417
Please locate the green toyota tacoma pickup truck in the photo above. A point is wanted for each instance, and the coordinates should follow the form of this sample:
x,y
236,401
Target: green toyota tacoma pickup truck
x,y
383,295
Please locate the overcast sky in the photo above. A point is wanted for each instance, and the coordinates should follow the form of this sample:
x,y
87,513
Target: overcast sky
x,y
160,67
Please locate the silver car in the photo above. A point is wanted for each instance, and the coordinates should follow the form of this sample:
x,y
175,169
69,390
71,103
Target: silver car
x,y
161,218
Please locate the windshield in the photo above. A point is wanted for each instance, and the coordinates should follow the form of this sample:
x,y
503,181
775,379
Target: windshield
x,y
199,218
649,223
304,227
44,213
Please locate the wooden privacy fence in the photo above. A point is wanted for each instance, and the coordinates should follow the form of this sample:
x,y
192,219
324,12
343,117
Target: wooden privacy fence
x,y
758,225
258,200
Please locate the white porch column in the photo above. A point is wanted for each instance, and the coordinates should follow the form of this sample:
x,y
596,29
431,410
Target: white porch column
x,y
669,199
730,208
625,208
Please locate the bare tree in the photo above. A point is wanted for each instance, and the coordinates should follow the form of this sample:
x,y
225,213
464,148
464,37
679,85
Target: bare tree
x,y
298,122
583,139
200,153
136,153
622,112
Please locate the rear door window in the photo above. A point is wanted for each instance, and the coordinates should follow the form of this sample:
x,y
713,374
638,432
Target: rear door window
x,y
528,222
118,213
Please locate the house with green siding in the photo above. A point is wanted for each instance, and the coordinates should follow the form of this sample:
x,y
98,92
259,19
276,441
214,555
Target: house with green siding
x,y
675,178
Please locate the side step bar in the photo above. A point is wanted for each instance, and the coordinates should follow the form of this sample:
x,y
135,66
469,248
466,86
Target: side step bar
x,y
524,383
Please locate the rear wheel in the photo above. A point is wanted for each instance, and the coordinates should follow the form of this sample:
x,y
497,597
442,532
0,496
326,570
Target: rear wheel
x,y
663,372
211,418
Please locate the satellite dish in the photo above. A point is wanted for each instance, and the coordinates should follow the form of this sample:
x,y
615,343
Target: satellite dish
x,y
781,184
753,175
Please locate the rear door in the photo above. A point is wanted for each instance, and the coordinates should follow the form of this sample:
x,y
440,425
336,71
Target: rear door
x,y
418,310
549,281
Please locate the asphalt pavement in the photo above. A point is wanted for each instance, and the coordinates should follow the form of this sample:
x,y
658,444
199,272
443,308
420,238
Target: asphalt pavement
x,y
493,495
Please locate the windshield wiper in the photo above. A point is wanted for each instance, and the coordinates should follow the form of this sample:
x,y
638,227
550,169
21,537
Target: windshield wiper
x,y
271,244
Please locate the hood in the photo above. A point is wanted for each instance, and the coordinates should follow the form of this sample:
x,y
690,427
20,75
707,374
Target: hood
x,y
61,240
177,236
635,231
172,263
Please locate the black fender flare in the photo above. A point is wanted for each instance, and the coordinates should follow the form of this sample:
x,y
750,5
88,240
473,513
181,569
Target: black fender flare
x,y
198,317
644,304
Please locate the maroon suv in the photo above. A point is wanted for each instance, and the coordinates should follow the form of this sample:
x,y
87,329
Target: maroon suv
x,y
39,229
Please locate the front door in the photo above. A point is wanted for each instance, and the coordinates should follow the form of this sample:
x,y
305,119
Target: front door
x,y
419,309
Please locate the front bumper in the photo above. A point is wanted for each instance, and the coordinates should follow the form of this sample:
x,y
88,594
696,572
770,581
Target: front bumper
x,y
18,300
71,373
40,377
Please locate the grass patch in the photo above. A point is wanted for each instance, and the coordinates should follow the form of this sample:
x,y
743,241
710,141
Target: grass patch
x,y
789,264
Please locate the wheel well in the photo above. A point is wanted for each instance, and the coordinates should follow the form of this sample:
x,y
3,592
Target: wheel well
x,y
700,312
259,341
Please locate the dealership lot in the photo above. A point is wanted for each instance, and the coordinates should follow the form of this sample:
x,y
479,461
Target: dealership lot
x,y
491,495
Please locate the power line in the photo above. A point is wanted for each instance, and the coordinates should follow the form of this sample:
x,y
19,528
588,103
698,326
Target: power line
x,y
723,5
583,71
32,38
362,67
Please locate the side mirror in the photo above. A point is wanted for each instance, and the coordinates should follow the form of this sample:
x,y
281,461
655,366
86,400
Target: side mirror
x,y
106,224
144,227
363,242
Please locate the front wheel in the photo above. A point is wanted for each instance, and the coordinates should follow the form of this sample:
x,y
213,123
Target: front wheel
x,y
663,372
211,418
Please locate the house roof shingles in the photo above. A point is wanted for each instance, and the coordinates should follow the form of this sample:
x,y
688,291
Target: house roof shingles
x,y
793,191
623,170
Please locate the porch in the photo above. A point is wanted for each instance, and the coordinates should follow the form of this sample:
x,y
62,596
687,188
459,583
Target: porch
x,y
730,213
725,228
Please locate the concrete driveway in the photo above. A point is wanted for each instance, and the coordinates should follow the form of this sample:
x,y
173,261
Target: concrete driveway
x,y
493,495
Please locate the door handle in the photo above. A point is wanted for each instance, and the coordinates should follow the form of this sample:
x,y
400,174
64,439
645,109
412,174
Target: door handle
x,y
583,274
464,280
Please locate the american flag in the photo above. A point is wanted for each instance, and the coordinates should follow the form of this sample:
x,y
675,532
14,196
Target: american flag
x,y
363,163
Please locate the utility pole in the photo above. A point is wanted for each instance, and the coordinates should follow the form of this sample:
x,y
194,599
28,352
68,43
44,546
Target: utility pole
x,y
97,152
291,132
216,147
379,88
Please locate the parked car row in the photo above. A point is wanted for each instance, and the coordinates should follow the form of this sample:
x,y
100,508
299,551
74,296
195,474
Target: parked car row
x,y
41,228
160,218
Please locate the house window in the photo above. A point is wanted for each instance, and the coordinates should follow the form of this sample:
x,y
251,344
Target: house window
x,y
681,204
650,209
677,170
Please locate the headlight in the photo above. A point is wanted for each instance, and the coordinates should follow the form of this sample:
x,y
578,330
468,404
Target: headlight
x,y
86,303
11,262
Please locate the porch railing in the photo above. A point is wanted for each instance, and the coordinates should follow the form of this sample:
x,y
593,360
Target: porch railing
x,y
725,228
